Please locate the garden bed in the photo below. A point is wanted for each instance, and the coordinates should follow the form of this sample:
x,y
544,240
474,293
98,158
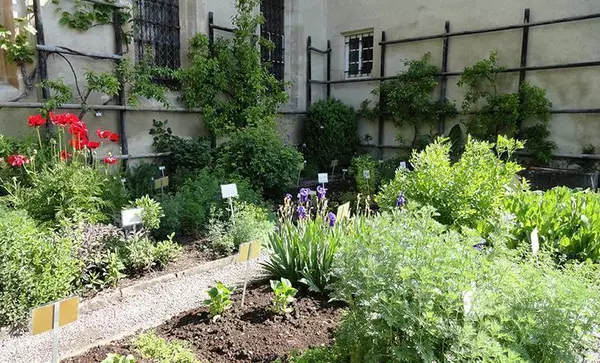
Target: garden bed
x,y
252,333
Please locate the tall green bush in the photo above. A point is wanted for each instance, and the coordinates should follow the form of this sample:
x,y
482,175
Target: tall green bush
x,y
464,193
259,155
37,266
330,133
421,293
360,164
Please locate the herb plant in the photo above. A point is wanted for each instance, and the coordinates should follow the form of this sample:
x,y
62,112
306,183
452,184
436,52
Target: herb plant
x,y
284,295
157,349
360,164
152,212
219,300
116,358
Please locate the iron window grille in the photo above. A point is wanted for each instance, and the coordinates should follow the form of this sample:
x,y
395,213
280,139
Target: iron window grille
x,y
359,55
156,33
273,30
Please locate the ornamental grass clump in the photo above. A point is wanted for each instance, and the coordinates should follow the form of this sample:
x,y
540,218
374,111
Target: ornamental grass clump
x,y
303,248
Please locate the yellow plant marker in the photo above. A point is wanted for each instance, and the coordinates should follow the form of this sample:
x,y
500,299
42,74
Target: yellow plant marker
x,y
343,211
244,252
161,182
52,316
254,250
248,251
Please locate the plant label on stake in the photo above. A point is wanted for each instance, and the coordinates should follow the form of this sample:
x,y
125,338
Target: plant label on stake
x,y
535,242
323,179
51,317
131,217
343,211
248,251
367,176
334,164
301,167
229,191
403,164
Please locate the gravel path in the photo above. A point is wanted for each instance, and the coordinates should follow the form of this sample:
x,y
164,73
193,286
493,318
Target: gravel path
x,y
144,310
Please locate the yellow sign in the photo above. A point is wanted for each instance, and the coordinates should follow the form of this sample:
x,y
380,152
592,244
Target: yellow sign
x,y
249,251
42,318
161,182
343,211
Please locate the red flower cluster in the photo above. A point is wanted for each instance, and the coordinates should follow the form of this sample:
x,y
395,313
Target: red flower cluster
x,y
63,119
17,160
36,121
110,160
105,134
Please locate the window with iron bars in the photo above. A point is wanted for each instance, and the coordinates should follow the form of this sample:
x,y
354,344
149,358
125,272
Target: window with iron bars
x,y
359,55
273,30
156,32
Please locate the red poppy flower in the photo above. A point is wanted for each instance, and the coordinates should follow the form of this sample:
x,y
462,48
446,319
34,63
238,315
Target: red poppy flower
x,y
93,145
64,119
79,128
103,134
64,155
78,143
36,121
114,137
18,160
110,160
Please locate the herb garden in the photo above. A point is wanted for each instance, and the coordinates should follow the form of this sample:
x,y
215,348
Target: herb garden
x,y
440,254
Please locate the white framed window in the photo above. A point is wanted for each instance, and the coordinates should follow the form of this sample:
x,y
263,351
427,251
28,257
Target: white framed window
x,y
359,54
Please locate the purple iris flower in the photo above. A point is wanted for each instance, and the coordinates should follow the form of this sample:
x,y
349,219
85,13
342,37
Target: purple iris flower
x,y
304,146
401,201
288,196
301,212
481,245
321,191
331,217
304,194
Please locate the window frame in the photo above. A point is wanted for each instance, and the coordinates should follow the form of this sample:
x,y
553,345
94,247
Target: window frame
x,y
360,35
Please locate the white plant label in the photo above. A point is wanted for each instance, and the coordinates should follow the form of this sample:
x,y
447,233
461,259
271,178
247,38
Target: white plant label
x,y
535,242
367,174
131,217
403,164
323,178
161,168
229,190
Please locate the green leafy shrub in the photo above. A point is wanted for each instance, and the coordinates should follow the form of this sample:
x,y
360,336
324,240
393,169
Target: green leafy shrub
x,y
166,251
68,192
101,265
407,100
284,295
251,223
185,153
304,252
139,179
259,155
37,266
188,211
139,253
465,193
360,164
330,133
219,300
152,212
160,350
421,293
116,358
568,221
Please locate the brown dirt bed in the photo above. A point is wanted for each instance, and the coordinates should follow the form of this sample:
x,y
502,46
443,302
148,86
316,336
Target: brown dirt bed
x,y
251,334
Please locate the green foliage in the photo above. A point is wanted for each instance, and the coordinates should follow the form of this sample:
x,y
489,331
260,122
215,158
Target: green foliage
x,y
185,153
188,211
407,99
87,16
139,179
330,133
251,224
219,300
138,253
116,358
68,192
360,164
37,266
284,295
501,113
229,82
62,94
166,251
319,355
466,193
568,221
17,47
152,212
160,350
421,293
259,155
140,80
101,265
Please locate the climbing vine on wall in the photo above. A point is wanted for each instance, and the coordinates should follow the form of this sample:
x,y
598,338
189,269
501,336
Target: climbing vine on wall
x,y
407,100
492,112
86,15
229,81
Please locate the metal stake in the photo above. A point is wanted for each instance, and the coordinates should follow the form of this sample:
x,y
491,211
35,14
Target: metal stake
x,y
55,334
